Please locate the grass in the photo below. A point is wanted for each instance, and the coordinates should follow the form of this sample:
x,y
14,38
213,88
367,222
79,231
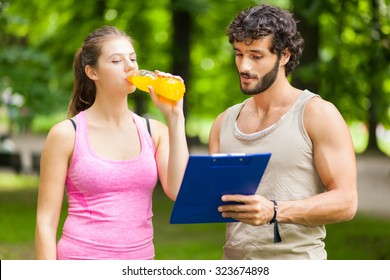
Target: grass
x,y
183,242
11,181
18,196
365,237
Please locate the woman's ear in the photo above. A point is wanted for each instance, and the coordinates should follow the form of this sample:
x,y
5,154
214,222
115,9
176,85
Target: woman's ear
x,y
90,72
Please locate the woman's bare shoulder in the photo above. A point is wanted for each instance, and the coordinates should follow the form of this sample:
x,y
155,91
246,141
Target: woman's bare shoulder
x,y
61,134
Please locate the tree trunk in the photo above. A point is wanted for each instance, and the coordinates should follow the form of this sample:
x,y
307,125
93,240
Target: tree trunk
x,y
375,86
181,45
309,30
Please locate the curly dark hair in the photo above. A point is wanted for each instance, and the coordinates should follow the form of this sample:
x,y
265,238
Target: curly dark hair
x,y
261,21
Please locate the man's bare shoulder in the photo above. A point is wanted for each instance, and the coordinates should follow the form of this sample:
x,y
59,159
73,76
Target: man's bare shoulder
x,y
323,119
320,108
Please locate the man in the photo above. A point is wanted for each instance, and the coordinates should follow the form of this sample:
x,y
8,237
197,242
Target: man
x,y
311,177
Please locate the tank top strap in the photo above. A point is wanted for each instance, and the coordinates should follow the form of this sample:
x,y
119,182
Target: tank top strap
x,y
231,116
144,134
304,98
80,145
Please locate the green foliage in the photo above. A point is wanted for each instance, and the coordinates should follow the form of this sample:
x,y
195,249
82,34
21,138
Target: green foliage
x,y
359,135
28,72
56,30
214,83
354,61
38,44
42,124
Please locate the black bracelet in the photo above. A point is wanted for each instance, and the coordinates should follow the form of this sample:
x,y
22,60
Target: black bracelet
x,y
275,212
277,237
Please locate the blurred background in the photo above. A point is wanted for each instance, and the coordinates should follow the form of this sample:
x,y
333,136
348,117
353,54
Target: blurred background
x,y
346,60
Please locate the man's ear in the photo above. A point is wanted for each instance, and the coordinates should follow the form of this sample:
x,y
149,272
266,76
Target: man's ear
x,y
285,57
90,72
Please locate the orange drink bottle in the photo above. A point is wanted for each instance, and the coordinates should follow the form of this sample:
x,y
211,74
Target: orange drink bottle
x,y
169,88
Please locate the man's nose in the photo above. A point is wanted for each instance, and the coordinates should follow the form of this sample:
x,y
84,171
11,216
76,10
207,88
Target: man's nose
x,y
245,65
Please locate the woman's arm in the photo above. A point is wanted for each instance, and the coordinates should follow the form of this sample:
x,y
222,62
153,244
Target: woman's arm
x,y
172,154
171,143
56,155
214,134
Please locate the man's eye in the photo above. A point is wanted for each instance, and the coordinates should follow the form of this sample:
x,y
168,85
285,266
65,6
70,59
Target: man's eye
x,y
116,61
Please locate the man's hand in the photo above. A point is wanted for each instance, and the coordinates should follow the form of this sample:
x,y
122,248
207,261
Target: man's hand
x,y
252,209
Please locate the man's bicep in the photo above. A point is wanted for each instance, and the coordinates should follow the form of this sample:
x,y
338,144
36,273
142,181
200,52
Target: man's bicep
x,y
333,150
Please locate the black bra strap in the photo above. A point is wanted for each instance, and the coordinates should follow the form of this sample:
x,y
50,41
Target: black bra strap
x,y
148,125
73,123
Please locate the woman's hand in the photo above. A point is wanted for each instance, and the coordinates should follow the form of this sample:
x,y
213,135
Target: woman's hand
x,y
165,105
172,151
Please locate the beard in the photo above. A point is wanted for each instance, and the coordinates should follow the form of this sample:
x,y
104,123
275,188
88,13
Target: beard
x,y
264,84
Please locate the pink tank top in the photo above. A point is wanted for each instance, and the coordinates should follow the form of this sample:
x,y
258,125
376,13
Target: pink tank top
x,y
110,201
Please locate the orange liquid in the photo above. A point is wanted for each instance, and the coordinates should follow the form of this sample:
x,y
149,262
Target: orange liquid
x,y
142,82
168,88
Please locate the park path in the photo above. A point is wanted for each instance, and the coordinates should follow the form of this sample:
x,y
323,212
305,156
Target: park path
x,y
373,174
374,184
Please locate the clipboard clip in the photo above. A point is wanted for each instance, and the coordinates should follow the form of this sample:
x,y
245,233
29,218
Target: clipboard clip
x,y
234,159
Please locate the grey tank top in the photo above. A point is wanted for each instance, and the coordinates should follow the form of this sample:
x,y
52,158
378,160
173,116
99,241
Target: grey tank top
x,y
290,175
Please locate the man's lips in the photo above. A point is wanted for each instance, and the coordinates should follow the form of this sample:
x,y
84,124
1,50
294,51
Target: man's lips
x,y
247,77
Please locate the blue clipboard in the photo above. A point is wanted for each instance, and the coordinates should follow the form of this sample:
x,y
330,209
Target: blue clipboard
x,y
208,177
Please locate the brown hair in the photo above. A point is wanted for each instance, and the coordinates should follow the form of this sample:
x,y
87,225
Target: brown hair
x,y
84,89
261,21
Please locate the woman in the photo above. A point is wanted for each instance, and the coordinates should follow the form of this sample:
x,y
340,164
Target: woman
x,y
107,159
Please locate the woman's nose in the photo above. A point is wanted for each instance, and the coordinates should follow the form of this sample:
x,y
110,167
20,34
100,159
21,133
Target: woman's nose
x,y
130,65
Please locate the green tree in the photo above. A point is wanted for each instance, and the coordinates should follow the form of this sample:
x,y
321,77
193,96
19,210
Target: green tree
x,y
346,58
25,69
348,48
307,13
378,70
